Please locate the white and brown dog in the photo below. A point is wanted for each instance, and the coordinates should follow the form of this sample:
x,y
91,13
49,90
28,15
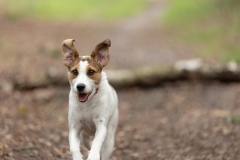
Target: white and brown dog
x,y
93,103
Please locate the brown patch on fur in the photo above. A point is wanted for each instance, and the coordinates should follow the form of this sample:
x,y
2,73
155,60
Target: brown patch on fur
x,y
96,77
85,58
73,66
92,65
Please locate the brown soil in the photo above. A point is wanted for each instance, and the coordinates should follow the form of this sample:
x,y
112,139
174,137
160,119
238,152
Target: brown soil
x,y
175,121
184,120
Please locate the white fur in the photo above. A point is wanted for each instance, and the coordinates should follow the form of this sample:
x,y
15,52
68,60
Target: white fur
x,y
92,124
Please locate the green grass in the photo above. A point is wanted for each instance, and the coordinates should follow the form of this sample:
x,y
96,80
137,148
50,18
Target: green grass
x,y
72,9
212,25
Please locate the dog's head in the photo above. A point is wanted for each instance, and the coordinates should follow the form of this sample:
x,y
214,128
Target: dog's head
x,y
85,71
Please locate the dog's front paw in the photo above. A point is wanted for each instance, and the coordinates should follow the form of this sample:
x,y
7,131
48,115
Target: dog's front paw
x,y
77,156
93,155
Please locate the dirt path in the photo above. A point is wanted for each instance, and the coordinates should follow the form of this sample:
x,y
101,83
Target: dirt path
x,y
145,20
141,41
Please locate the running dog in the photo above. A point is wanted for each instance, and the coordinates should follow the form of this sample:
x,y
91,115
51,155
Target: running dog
x,y
93,103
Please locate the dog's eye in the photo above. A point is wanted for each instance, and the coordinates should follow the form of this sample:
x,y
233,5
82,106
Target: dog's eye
x,y
75,72
91,72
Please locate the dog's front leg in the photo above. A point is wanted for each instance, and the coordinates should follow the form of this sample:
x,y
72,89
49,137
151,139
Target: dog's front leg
x,y
74,140
100,135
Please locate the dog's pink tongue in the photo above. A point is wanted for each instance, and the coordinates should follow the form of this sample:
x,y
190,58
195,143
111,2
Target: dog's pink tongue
x,y
82,97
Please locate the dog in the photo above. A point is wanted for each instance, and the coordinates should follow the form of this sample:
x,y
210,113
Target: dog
x,y
93,102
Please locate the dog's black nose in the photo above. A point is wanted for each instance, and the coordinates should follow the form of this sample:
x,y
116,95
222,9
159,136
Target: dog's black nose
x,y
81,87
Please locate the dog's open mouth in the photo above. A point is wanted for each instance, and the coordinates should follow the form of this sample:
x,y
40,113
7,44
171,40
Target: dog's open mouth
x,y
83,97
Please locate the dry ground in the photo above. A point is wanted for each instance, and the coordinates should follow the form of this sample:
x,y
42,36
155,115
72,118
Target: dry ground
x,y
175,121
183,120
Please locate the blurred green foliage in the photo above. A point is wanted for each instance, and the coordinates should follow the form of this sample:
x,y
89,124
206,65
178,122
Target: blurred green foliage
x,y
212,25
72,9
234,119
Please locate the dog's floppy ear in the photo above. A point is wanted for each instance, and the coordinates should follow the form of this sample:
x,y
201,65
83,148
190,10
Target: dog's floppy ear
x,y
69,52
101,53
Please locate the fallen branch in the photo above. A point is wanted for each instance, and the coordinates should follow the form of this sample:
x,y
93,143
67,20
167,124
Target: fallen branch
x,y
195,69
